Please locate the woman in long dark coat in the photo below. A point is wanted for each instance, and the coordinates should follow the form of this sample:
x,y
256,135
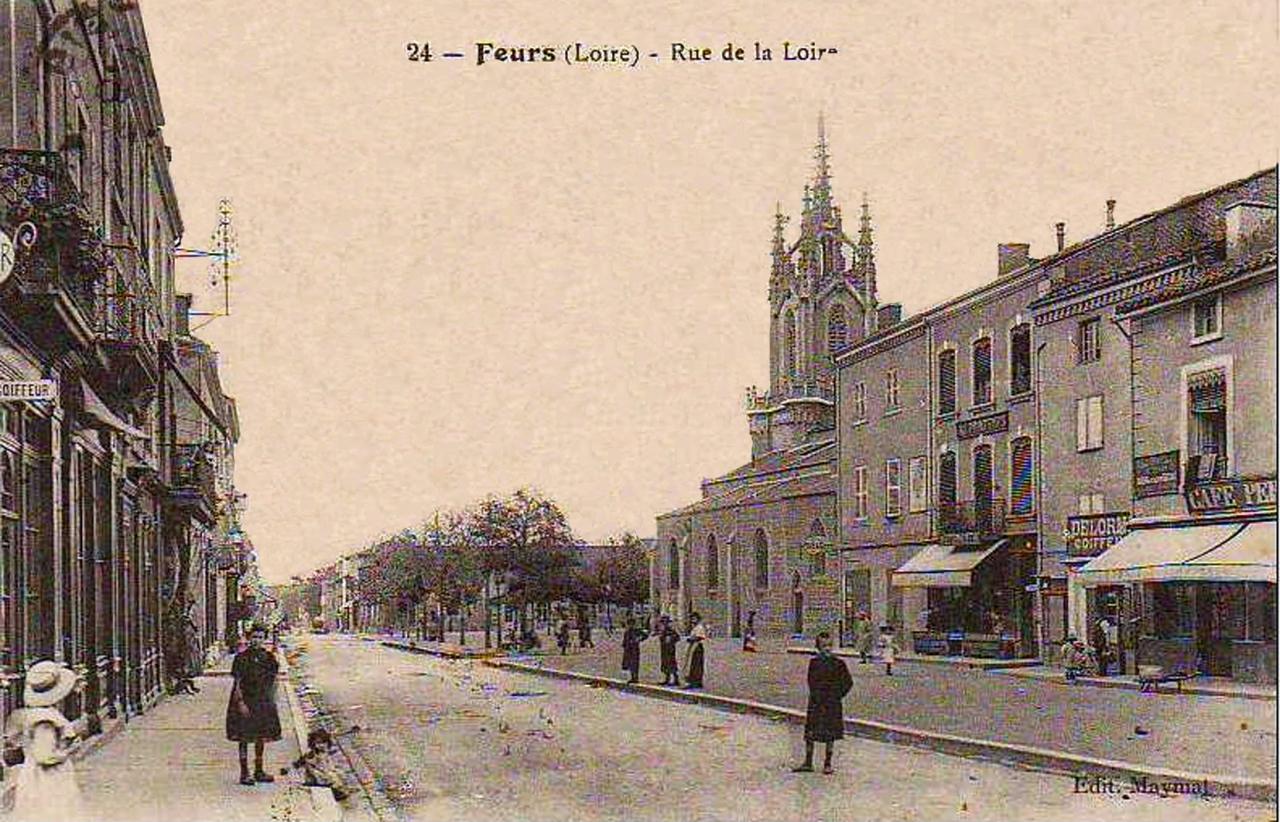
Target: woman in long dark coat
x,y
251,711
631,639
668,640
829,681
697,652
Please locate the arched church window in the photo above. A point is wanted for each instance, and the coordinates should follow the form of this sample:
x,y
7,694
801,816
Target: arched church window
x,y
837,329
762,559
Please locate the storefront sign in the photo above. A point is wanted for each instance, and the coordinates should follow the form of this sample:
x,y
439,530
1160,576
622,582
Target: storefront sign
x,y
990,424
1088,536
21,390
8,255
1243,494
1155,474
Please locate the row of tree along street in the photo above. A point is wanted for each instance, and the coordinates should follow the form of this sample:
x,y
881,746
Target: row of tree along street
x,y
504,565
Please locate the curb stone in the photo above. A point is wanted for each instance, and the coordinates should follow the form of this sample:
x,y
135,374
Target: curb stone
x,y
322,799
1007,753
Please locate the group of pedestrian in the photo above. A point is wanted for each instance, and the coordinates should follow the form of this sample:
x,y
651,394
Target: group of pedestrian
x,y
668,646
563,632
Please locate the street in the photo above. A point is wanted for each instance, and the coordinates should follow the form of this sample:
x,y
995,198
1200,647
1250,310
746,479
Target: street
x,y
461,740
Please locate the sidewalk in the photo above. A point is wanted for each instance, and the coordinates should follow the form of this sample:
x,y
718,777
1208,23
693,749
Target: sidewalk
x,y
174,762
1199,686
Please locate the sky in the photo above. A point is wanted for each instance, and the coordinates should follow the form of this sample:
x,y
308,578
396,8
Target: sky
x,y
456,279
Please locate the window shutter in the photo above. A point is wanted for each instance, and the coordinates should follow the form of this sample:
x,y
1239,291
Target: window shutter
x,y
1095,422
1082,424
947,382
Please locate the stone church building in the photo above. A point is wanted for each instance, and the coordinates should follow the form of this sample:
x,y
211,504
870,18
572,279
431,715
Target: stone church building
x,y
762,537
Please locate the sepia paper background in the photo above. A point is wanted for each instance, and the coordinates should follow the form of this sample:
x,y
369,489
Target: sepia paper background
x,y
457,279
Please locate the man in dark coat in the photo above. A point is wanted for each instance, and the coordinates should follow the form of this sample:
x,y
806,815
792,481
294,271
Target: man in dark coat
x,y
251,711
668,640
829,681
631,639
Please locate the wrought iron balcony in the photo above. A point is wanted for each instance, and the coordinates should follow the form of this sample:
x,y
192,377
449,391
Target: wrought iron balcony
x,y
972,520
60,260
192,480
128,320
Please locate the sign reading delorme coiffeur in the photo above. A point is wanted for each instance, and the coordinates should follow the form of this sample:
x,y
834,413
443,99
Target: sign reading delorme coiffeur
x,y
1155,474
1088,536
990,424
1241,494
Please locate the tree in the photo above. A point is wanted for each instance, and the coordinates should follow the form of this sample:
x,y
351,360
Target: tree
x,y
454,557
621,572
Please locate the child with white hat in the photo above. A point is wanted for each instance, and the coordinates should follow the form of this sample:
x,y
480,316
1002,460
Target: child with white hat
x,y
45,783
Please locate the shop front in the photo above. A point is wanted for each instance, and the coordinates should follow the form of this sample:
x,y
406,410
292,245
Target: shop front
x,y
978,602
1199,597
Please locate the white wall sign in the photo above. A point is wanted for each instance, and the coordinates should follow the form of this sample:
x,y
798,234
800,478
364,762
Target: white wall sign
x,y
23,390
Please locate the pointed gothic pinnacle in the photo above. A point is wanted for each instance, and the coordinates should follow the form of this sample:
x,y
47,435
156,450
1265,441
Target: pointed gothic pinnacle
x,y
779,222
864,233
822,156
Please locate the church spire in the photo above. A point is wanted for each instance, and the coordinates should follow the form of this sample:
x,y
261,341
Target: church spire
x,y
866,256
779,240
822,179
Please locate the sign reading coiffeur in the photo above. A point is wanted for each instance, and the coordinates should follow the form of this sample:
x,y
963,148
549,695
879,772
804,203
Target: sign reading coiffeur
x,y
23,390
1088,536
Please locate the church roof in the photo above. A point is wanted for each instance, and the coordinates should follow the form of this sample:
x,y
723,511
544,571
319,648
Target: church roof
x,y
801,484
804,470
804,455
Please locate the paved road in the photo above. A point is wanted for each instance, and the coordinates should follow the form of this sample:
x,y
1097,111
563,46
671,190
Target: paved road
x,y
462,741
1203,734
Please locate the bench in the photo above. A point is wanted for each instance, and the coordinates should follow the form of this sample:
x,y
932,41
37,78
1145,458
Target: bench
x,y
1151,676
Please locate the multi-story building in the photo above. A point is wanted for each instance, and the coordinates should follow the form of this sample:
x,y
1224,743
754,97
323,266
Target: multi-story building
x,y
1159,342
937,440
89,475
758,541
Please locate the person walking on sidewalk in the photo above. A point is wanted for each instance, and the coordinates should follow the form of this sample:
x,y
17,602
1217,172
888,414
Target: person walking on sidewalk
x,y
45,786
829,681
862,636
749,635
631,639
584,632
887,645
562,634
251,711
668,641
696,662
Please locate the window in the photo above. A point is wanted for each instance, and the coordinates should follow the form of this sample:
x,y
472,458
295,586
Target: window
x,y
1089,423
713,563
1090,504
673,565
1088,341
817,549
789,364
982,483
947,382
891,389
860,492
859,401
947,485
1207,426
1022,493
1020,359
918,485
982,371
1173,607
762,559
1206,318
893,487
837,329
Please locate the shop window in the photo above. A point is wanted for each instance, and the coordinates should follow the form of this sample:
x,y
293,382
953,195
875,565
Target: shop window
x,y
893,487
1089,341
1021,484
713,563
762,559
891,390
673,565
1207,425
1206,318
947,382
1089,423
860,492
1020,359
982,371
1172,607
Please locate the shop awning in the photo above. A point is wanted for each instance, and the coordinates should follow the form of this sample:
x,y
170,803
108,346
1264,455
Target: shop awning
x,y
1207,553
96,408
943,566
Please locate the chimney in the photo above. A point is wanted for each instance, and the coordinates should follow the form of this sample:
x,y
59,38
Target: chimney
x,y
1062,235
1011,257
888,315
1250,227
1111,214
182,306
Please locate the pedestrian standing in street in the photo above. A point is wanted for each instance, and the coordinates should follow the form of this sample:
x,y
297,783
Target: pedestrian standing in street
x,y
631,639
195,654
1102,645
562,635
829,681
695,664
862,636
45,786
584,632
668,641
251,710
749,635
888,647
